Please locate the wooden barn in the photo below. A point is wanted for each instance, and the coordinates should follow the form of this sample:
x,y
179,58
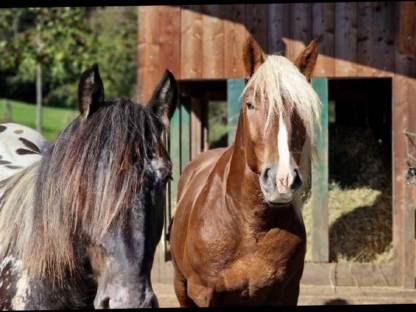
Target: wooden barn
x,y
366,62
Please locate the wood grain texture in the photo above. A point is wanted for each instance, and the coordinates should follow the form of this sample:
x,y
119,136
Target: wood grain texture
x,y
278,28
365,53
170,39
212,41
175,154
148,52
378,22
323,28
191,42
300,28
389,39
407,26
185,132
257,23
196,126
235,35
404,88
345,39
349,274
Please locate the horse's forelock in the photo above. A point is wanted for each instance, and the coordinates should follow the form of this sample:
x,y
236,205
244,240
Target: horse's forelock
x,y
279,83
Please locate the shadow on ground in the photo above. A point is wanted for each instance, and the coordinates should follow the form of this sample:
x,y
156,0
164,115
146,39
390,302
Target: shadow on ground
x,y
336,301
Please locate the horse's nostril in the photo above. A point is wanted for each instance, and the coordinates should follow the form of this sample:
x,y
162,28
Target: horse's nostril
x,y
297,181
105,303
265,174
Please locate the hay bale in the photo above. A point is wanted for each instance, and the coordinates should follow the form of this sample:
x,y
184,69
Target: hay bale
x,y
360,206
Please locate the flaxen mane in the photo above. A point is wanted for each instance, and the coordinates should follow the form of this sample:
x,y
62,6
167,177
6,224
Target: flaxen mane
x,y
83,184
278,81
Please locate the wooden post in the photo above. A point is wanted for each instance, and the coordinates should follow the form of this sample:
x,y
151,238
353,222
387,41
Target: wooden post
x,y
174,152
196,126
7,111
403,116
185,137
320,239
407,24
234,89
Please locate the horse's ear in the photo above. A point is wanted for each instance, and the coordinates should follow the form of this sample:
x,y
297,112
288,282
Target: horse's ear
x,y
307,59
90,91
253,56
163,101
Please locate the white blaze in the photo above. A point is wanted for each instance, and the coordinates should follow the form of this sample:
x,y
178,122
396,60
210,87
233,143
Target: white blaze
x,y
283,146
284,176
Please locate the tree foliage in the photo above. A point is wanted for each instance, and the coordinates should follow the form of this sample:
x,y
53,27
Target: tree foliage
x,y
115,40
65,41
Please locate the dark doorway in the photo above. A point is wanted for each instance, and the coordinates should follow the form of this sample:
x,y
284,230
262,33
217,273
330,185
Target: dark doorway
x,y
360,186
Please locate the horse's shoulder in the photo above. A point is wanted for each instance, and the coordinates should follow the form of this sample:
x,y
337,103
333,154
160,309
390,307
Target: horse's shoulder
x,y
206,158
200,166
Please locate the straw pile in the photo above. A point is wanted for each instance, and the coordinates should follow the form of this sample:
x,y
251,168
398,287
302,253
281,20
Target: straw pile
x,y
360,204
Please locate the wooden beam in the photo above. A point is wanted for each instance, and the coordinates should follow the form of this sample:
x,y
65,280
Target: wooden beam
x,y
212,61
148,71
320,233
323,28
365,34
235,35
185,137
174,153
170,39
404,91
196,126
278,27
300,28
345,39
234,90
349,274
256,23
407,26
191,42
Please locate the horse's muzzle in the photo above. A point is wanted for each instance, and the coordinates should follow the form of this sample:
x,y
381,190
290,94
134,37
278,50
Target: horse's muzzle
x,y
279,189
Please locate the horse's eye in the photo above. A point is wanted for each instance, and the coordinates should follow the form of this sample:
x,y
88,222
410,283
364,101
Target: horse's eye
x,y
250,105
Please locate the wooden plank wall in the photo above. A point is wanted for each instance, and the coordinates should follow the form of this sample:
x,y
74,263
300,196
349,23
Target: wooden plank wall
x,y
206,41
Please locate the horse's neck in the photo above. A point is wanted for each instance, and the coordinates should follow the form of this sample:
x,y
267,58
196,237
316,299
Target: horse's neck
x,y
242,184
239,177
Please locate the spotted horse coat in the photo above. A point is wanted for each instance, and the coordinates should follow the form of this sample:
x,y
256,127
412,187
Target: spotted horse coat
x,y
20,146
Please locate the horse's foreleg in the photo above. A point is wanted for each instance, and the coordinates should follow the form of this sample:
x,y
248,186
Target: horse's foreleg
x,y
180,286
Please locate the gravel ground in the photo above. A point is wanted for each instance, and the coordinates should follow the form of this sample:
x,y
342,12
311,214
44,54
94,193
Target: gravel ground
x,y
321,295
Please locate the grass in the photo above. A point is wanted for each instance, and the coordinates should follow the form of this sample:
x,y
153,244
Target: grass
x,y
55,119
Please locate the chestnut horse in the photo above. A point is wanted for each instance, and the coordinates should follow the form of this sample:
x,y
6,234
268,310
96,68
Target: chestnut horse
x,y
238,237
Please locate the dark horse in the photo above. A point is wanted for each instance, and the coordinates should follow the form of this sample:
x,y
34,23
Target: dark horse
x,y
79,227
237,235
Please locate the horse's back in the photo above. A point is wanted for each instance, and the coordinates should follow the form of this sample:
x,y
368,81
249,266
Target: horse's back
x,y
20,146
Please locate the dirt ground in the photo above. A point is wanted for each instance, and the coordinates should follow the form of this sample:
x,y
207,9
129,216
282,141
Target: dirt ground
x,y
321,295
